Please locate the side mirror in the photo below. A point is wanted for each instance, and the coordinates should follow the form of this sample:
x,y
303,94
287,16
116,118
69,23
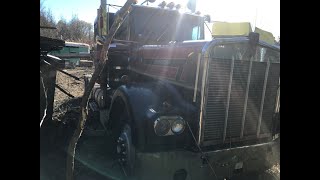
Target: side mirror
x,y
207,18
192,5
253,42
253,38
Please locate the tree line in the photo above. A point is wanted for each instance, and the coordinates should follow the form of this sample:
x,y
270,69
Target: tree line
x,y
75,30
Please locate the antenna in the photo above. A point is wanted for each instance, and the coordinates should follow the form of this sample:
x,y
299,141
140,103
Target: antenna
x,y
255,18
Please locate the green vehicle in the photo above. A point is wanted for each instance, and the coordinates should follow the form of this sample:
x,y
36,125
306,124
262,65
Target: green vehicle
x,y
72,53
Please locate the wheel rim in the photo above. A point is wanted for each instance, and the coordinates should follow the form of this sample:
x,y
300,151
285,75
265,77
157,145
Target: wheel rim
x,y
126,151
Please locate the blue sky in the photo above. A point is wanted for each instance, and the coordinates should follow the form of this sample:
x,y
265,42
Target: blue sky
x,y
85,9
264,14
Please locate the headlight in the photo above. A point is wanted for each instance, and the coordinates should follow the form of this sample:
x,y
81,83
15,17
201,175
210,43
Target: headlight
x,y
169,125
177,126
161,127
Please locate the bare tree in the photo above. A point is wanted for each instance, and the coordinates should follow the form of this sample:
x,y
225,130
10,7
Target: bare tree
x,y
75,30
84,101
80,31
63,29
47,19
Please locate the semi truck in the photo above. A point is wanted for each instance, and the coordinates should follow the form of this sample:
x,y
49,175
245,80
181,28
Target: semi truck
x,y
178,106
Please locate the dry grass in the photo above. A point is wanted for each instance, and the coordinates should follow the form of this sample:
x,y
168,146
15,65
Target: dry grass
x,y
72,86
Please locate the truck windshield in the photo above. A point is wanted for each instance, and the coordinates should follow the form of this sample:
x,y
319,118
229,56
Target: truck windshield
x,y
160,26
189,28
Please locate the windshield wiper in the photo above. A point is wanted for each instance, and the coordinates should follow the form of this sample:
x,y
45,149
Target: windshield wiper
x,y
208,29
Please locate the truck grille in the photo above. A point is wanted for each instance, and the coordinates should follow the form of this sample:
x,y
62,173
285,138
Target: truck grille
x,y
234,101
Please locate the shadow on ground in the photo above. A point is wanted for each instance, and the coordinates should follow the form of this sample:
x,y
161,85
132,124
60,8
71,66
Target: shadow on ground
x,y
93,159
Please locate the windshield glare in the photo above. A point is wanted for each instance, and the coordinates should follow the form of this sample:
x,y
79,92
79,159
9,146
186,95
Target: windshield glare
x,y
160,26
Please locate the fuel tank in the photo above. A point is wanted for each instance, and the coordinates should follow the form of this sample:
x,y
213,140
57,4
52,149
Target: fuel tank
x,y
102,99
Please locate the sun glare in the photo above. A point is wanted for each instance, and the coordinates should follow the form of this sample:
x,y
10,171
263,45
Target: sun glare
x,y
264,14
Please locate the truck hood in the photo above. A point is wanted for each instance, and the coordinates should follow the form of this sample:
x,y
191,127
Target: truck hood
x,y
180,50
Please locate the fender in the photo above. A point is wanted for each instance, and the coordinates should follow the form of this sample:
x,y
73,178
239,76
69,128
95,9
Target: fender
x,y
143,103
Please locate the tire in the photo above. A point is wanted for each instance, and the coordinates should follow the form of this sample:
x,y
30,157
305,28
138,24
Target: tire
x,y
121,129
128,168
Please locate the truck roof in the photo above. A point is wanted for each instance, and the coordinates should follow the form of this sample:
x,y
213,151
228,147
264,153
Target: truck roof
x,y
164,9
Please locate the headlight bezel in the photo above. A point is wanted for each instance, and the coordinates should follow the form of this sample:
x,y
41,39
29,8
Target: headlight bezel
x,y
169,131
157,123
180,120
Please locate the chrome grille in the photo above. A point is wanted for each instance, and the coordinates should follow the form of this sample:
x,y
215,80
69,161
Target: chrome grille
x,y
218,78
270,100
227,114
254,98
238,90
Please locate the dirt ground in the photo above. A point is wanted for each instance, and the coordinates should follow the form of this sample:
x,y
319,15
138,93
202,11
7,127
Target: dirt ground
x,y
72,86
69,84
91,162
54,141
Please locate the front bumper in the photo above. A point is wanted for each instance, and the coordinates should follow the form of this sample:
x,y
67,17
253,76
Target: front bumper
x,y
226,163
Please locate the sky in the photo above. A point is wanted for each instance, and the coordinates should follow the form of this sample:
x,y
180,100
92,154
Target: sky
x,y
264,14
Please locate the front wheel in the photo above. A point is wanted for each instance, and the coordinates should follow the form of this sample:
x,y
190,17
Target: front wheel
x,y
126,152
